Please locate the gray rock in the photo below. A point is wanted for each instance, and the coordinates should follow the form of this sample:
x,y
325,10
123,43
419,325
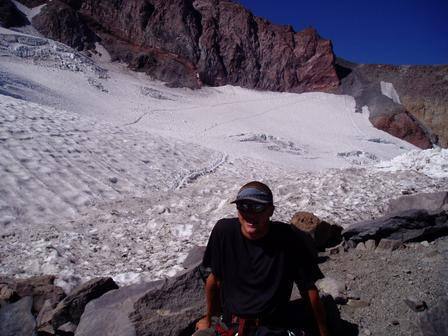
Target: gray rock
x,y
16,318
370,245
432,202
40,288
71,308
67,329
434,322
10,16
110,313
361,247
8,294
43,320
171,307
165,307
411,225
416,305
194,257
388,245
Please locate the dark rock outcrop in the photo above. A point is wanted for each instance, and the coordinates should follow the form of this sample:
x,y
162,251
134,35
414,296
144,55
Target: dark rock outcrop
x,y
190,43
10,16
61,22
16,318
407,226
421,116
71,308
109,314
172,307
165,307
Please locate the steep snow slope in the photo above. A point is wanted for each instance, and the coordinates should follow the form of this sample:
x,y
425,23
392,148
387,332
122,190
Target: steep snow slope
x,y
104,171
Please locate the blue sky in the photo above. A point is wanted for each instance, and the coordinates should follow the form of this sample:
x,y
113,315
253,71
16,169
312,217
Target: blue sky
x,y
378,31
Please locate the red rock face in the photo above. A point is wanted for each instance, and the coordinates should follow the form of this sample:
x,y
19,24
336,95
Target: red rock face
x,y
213,42
402,126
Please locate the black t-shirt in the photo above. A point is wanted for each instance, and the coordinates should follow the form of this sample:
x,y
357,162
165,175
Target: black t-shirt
x,y
257,275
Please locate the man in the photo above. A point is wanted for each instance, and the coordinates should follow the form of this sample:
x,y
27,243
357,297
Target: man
x,y
254,263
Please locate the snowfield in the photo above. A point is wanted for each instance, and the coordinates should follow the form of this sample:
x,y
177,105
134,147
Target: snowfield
x,y
104,171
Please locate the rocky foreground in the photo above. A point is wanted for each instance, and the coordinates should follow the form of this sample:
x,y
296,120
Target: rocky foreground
x,y
385,278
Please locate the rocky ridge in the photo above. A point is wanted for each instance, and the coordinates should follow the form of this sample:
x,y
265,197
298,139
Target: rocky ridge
x,y
418,109
190,43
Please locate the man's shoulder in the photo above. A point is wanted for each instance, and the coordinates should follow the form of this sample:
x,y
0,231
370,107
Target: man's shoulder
x,y
281,228
295,238
226,224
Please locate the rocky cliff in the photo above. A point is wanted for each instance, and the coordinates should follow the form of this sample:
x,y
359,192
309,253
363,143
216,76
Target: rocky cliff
x,y
417,113
190,43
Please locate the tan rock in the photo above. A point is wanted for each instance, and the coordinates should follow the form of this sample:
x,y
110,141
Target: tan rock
x,y
322,232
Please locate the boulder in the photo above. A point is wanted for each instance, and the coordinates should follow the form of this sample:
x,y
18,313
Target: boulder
x,y
434,322
415,305
40,288
194,257
43,320
71,308
8,294
431,202
388,245
109,314
323,234
172,307
10,16
165,307
406,226
16,318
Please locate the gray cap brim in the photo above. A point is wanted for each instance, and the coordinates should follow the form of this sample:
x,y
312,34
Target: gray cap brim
x,y
253,195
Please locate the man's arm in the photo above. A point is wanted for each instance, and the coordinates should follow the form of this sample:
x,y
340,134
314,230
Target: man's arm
x,y
318,310
213,300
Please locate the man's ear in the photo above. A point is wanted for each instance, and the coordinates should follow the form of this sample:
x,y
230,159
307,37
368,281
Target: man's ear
x,y
271,210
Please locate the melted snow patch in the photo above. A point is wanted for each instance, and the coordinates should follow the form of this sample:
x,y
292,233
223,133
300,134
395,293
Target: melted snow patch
x,y
388,90
431,162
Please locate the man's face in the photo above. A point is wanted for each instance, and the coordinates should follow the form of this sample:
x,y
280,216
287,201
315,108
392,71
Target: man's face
x,y
254,223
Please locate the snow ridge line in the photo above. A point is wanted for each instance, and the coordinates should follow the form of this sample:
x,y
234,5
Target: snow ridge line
x,y
138,119
192,176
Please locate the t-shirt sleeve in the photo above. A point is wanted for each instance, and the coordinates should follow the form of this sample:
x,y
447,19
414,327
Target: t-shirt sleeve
x,y
212,256
308,271
308,274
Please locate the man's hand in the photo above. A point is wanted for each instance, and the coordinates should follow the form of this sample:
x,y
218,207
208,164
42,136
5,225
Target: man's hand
x,y
212,288
318,311
204,323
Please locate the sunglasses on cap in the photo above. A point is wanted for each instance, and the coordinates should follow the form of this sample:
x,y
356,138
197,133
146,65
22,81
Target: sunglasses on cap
x,y
247,207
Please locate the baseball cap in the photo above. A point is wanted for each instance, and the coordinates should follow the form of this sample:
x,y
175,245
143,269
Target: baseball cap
x,y
256,192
